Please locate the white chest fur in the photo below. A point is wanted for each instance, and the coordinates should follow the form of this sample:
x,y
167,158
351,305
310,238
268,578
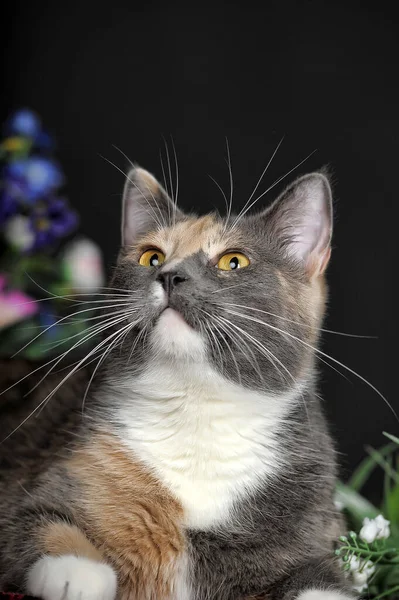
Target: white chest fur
x,y
209,441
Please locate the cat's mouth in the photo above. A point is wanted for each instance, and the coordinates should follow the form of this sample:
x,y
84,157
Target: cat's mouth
x,y
173,316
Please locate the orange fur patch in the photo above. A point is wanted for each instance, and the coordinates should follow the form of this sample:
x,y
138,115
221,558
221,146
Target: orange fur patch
x,y
189,237
130,517
58,539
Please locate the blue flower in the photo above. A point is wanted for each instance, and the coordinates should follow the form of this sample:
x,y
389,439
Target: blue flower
x,y
47,321
24,122
30,179
50,221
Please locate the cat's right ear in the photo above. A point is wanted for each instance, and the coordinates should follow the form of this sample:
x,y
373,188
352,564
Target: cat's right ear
x,y
146,206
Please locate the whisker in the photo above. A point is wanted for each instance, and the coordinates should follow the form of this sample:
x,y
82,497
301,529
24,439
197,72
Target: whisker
x,y
177,177
123,154
124,329
226,202
376,390
154,215
105,318
228,347
259,345
261,177
101,327
352,335
134,346
233,335
243,213
57,387
164,175
71,298
231,186
172,193
60,321
230,287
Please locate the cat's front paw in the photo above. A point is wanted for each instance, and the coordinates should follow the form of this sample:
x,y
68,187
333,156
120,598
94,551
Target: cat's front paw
x,y
71,578
323,595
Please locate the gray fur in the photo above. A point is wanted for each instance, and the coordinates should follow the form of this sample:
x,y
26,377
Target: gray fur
x,y
281,538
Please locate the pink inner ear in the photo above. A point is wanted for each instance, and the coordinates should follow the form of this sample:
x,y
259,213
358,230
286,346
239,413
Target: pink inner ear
x,y
310,227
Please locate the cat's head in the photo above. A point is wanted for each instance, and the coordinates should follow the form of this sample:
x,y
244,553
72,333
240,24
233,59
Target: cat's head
x,y
244,293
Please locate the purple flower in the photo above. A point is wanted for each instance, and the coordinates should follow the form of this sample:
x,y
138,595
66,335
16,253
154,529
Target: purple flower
x,y
51,221
30,179
8,206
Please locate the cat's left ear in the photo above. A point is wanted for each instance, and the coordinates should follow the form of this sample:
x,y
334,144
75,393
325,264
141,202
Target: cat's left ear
x,y
146,206
300,222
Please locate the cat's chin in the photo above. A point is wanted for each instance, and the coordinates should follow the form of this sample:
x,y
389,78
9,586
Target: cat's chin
x,y
173,318
174,336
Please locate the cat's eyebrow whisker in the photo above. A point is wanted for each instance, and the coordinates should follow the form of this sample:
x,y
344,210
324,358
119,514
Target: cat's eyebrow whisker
x,y
139,190
261,177
165,183
177,181
243,213
231,187
286,333
352,335
172,193
123,154
221,189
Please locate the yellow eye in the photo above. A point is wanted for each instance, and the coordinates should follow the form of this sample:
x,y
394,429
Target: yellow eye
x,y
152,258
232,261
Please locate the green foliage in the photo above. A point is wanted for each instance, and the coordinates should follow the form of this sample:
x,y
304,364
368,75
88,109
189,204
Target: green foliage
x,y
380,557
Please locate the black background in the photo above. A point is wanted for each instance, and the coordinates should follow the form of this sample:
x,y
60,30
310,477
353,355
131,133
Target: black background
x,y
323,74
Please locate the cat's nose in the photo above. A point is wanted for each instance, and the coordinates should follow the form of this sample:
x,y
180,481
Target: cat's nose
x,y
170,279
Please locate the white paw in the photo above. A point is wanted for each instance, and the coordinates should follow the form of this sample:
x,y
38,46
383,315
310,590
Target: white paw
x,y
71,578
323,595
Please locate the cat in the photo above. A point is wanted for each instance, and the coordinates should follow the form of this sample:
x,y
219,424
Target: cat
x,y
201,466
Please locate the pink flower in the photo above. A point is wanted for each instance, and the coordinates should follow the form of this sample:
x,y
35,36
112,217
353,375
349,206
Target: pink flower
x,y
14,305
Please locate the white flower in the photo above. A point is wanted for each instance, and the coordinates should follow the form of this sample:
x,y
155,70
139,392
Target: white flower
x,y
374,529
360,572
18,233
83,266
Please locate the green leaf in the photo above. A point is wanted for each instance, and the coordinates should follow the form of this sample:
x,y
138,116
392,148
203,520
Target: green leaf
x,y
366,467
391,503
391,437
384,464
355,505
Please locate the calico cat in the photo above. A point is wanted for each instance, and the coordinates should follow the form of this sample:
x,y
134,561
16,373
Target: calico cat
x,y
201,467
